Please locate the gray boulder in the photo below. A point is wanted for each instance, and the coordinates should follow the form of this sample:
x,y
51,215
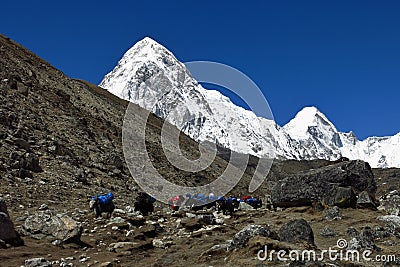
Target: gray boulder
x,y
48,224
7,232
333,185
392,223
30,161
364,240
37,262
332,213
243,236
391,203
381,232
365,201
245,206
297,231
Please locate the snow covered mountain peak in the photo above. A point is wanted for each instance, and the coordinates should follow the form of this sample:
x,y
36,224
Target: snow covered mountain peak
x,y
152,77
145,61
147,48
299,126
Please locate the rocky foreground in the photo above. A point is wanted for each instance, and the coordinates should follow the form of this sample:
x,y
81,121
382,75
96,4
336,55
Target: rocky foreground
x,y
60,143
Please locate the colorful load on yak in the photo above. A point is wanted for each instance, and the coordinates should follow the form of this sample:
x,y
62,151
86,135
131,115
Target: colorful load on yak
x,y
104,199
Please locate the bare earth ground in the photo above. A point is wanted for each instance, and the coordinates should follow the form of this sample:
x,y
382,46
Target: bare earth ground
x,y
187,248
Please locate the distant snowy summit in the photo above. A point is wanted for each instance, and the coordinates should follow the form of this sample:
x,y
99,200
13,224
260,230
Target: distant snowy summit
x,y
151,76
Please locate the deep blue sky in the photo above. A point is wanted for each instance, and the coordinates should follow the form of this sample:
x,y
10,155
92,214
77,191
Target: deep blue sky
x,y
341,56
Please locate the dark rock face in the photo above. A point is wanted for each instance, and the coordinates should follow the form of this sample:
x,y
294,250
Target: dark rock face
x,y
30,162
25,164
48,224
244,235
7,231
333,185
297,231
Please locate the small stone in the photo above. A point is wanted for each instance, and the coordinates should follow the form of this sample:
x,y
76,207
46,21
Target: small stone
x,y
129,233
352,232
43,207
332,213
158,243
328,232
219,221
56,242
119,211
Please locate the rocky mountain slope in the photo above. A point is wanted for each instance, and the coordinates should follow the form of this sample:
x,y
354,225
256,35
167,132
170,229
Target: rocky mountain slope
x,y
152,77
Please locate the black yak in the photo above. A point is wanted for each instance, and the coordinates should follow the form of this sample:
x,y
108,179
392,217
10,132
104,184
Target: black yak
x,y
102,204
144,203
